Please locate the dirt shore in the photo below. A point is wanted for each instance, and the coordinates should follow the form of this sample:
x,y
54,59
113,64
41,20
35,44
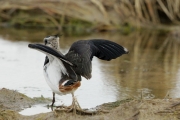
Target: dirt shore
x,y
11,102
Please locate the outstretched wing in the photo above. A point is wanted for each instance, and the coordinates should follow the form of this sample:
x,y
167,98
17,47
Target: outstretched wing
x,y
82,52
50,51
54,53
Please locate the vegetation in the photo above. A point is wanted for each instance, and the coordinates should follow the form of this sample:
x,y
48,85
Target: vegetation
x,y
71,15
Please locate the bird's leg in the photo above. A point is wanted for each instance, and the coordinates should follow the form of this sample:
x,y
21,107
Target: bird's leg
x,y
76,102
53,100
73,103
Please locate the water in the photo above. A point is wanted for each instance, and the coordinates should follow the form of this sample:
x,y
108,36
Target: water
x,y
152,68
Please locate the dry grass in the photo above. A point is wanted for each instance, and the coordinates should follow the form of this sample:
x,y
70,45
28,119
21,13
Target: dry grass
x,y
98,14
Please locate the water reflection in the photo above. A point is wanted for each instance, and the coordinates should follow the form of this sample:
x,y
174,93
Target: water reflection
x,y
152,66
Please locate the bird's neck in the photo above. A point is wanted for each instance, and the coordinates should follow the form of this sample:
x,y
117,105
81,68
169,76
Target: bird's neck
x,y
58,45
55,46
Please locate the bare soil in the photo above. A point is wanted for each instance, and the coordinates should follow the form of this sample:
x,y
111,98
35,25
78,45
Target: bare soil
x,y
11,102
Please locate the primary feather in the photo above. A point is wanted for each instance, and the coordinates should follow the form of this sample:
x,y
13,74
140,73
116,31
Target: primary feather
x,y
81,54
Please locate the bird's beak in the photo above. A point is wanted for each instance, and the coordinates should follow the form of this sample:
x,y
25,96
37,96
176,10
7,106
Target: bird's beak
x,y
58,35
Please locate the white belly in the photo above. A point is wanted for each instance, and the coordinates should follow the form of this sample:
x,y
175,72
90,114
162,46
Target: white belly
x,y
52,72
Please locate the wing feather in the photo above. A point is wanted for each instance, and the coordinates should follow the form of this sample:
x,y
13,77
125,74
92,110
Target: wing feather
x,y
50,51
81,54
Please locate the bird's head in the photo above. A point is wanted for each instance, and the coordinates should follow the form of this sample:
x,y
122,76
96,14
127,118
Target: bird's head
x,y
52,41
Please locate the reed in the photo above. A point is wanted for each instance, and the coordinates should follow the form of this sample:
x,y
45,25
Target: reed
x,y
91,14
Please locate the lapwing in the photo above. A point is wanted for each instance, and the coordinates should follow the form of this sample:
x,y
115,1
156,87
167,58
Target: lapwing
x,y
63,72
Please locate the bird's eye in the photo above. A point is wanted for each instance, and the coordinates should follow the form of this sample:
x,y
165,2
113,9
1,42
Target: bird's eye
x,y
45,41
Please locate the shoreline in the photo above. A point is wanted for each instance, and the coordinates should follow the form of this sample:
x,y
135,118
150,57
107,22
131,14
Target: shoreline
x,y
11,102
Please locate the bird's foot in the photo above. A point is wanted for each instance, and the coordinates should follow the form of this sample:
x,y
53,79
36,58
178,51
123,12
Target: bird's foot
x,y
76,109
72,108
58,107
50,106
80,111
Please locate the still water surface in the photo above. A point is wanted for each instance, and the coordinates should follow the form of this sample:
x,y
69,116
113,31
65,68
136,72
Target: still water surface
x,y
152,68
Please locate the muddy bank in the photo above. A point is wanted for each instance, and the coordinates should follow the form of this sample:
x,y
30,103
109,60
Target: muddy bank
x,y
11,102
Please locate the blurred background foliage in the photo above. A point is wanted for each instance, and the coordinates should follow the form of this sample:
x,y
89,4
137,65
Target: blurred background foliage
x,y
90,15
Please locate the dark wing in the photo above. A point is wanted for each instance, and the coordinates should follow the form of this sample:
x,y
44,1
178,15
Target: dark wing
x,y
46,60
50,51
82,52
